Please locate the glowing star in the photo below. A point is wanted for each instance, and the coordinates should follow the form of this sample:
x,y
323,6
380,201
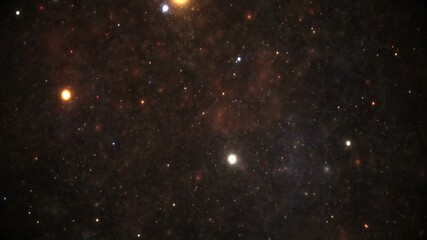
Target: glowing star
x,y
66,95
326,169
17,13
180,2
357,162
232,159
348,143
238,59
165,8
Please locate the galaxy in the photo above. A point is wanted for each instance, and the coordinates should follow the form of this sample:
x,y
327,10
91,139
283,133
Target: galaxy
x,y
203,119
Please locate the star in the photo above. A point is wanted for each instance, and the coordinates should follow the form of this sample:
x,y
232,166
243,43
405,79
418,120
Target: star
x,y
165,8
180,2
232,159
348,143
66,95
326,169
17,13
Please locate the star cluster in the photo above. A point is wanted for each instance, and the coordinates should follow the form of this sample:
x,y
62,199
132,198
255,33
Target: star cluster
x,y
203,119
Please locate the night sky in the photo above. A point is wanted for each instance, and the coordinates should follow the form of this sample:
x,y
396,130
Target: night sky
x,y
213,119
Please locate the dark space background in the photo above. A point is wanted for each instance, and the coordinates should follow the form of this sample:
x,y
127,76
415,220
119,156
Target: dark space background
x,y
322,102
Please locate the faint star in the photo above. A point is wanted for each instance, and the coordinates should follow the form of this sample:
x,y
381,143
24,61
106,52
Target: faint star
x,y
326,169
357,162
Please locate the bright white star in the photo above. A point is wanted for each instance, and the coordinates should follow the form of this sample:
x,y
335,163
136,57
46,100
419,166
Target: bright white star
x,y
165,8
232,159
